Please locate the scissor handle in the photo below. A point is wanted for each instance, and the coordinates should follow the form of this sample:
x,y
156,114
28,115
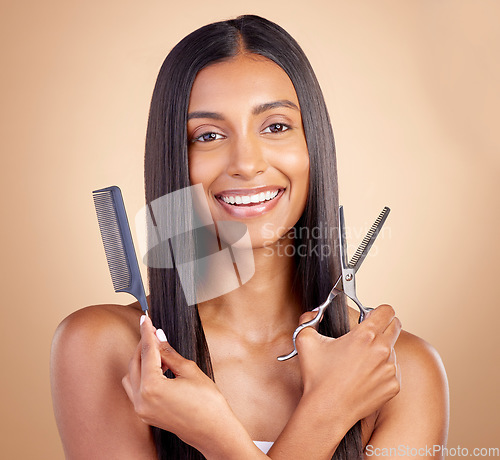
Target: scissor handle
x,y
362,309
348,286
312,323
362,313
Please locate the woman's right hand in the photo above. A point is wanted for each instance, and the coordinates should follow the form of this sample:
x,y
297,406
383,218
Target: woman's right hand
x,y
354,375
189,405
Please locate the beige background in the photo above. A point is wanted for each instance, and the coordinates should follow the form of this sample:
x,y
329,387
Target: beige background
x,y
412,88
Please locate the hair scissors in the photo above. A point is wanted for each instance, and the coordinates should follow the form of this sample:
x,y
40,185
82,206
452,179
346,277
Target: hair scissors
x,y
346,281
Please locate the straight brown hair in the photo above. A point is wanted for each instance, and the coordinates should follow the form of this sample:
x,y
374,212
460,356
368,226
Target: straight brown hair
x,y
167,170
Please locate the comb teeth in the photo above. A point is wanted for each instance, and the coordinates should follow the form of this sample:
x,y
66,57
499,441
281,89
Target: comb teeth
x,y
112,240
366,240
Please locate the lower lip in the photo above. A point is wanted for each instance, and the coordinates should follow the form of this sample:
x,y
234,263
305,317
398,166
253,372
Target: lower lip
x,y
250,210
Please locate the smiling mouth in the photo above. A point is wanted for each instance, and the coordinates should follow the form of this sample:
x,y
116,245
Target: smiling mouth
x,y
239,200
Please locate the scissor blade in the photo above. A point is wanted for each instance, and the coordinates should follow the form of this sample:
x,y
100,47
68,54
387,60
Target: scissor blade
x,y
342,239
336,288
368,240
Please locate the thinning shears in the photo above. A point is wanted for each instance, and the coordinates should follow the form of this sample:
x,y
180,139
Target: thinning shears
x,y
346,281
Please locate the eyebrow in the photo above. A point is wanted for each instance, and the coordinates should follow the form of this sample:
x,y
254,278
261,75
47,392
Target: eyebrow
x,y
273,105
213,115
261,108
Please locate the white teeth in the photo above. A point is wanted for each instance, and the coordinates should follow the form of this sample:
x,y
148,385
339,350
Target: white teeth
x,y
247,199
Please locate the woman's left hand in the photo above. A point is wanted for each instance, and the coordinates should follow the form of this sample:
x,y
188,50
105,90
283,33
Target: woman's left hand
x,y
189,405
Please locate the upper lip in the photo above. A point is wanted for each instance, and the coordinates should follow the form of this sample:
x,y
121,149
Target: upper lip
x,y
249,191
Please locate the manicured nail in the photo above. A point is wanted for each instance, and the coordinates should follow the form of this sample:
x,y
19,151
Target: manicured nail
x,y
315,309
143,318
161,335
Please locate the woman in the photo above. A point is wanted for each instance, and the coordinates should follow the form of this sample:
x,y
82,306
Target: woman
x,y
237,109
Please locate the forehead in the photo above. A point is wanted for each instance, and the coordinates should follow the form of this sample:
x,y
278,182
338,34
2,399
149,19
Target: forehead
x,y
245,79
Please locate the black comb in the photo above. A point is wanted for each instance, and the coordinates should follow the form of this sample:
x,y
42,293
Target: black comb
x,y
118,244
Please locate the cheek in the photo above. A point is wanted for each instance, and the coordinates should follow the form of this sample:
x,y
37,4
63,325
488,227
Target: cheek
x,y
301,189
300,165
295,165
301,180
200,171
295,156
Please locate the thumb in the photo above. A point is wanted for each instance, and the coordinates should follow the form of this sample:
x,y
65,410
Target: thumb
x,y
306,341
309,316
307,336
170,358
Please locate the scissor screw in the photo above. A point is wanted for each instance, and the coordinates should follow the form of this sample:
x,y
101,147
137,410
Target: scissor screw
x,y
348,277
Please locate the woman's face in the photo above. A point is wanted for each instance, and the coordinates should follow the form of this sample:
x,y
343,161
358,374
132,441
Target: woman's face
x,y
247,146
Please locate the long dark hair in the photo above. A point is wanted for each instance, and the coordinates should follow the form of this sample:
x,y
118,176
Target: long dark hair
x,y
166,170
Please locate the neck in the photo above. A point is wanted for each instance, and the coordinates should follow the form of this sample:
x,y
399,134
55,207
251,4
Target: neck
x,y
264,307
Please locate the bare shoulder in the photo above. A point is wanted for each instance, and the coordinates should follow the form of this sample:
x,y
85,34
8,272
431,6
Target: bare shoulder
x,y
98,325
90,353
416,357
93,338
418,416
419,359
424,384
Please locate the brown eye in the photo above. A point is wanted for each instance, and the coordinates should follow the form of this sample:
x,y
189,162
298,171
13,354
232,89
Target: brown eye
x,y
276,128
208,137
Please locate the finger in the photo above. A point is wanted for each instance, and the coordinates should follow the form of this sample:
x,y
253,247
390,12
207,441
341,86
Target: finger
x,y
391,333
306,339
397,370
379,318
160,335
174,361
309,316
392,357
134,368
128,387
150,353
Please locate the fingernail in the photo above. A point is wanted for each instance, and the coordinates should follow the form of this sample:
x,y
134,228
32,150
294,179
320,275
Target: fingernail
x,y
143,318
315,309
161,335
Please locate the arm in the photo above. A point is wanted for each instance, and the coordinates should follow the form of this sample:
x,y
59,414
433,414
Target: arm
x,y
90,354
416,419
345,380
192,407
189,405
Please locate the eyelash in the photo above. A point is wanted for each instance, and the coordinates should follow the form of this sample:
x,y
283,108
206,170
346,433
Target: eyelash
x,y
284,127
198,139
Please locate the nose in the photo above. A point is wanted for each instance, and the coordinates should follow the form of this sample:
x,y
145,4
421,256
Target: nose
x,y
247,159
